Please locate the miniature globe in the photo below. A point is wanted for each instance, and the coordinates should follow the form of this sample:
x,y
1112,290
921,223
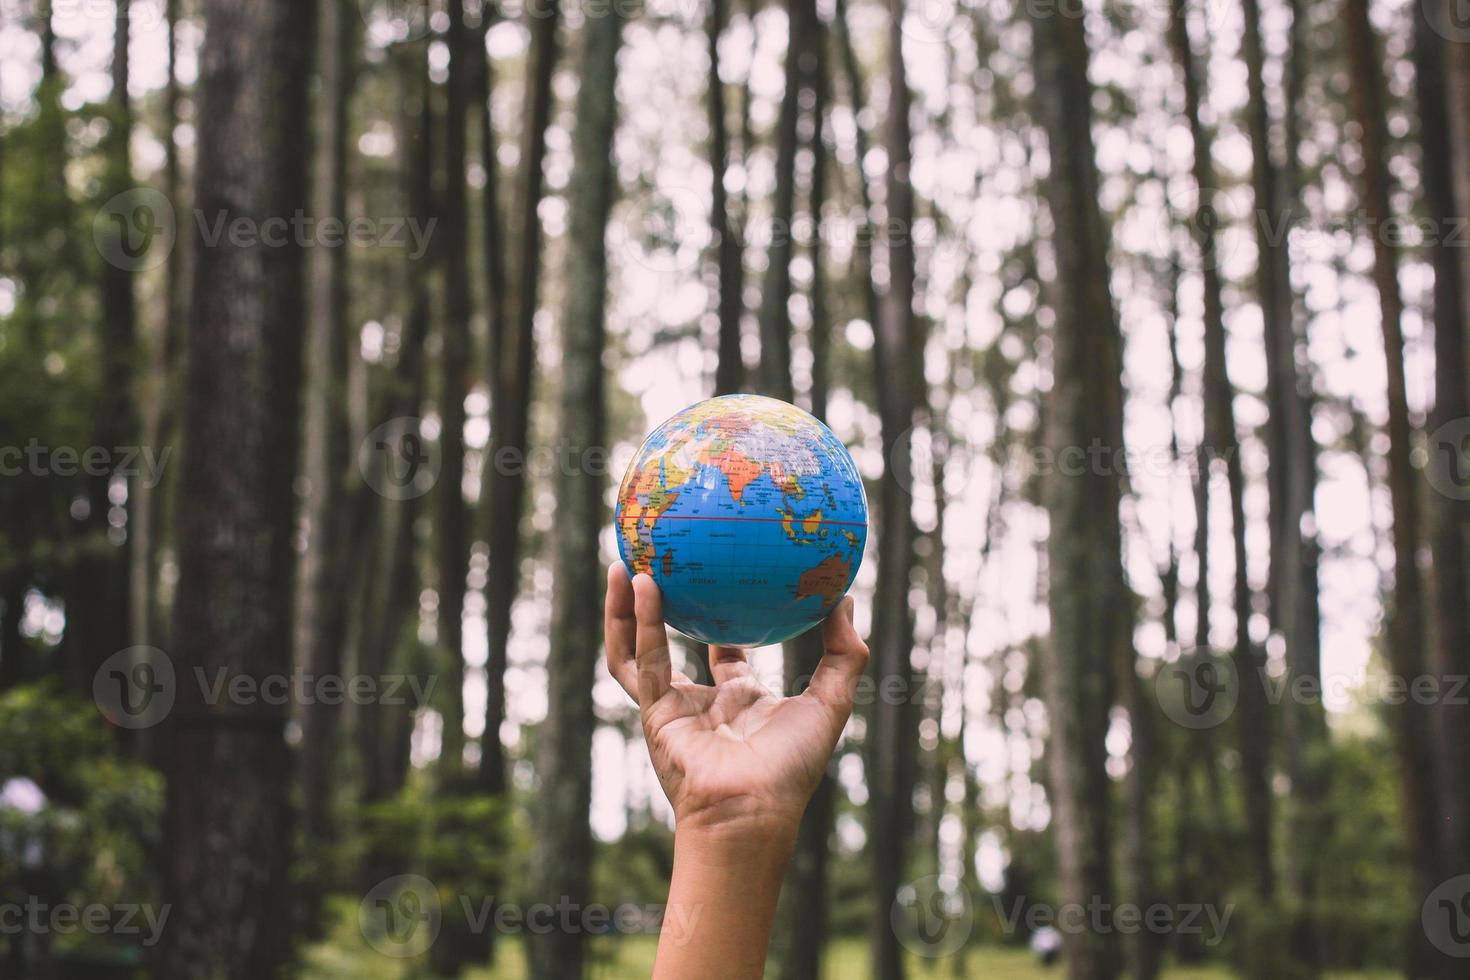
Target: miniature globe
x,y
749,514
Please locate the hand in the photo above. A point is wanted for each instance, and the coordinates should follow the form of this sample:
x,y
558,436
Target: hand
x,y
731,754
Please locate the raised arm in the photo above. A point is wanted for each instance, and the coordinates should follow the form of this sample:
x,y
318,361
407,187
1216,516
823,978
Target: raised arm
x,y
738,763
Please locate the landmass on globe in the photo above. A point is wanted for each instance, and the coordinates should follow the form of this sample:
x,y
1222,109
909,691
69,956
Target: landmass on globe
x,y
749,513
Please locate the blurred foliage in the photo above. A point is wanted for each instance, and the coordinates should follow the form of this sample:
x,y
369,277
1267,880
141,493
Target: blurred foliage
x,y
95,839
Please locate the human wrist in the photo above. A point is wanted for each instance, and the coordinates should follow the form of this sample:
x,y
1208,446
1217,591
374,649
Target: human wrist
x,y
747,842
722,898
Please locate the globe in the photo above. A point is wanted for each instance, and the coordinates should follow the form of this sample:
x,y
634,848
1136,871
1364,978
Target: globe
x,y
749,514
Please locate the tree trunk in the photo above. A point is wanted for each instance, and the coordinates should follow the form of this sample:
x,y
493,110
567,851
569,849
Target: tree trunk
x,y
452,524
389,583
1458,56
98,605
494,271
512,375
862,253
322,612
801,926
170,356
1413,724
492,756
1449,517
561,862
775,320
892,737
1292,483
228,803
157,417
730,305
1220,436
1087,591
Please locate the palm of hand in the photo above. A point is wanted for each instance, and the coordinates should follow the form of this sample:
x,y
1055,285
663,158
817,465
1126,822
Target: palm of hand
x,y
736,749
731,751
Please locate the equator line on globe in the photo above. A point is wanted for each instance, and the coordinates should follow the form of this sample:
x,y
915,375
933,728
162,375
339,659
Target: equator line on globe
x,y
751,516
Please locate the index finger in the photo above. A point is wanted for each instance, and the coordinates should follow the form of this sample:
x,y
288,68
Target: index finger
x,y
834,682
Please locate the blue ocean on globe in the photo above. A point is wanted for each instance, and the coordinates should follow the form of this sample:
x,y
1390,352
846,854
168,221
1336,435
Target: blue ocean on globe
x,y
751,516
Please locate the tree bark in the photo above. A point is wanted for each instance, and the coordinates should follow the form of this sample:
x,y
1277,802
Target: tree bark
x,y
322,611
892,737
561,862
775,320
389,583
228,805
1087,593
452,525
802,921
1413,724
862,253
98,604
1449,518
729,304
170,357
1292,482
1221,437
512,375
